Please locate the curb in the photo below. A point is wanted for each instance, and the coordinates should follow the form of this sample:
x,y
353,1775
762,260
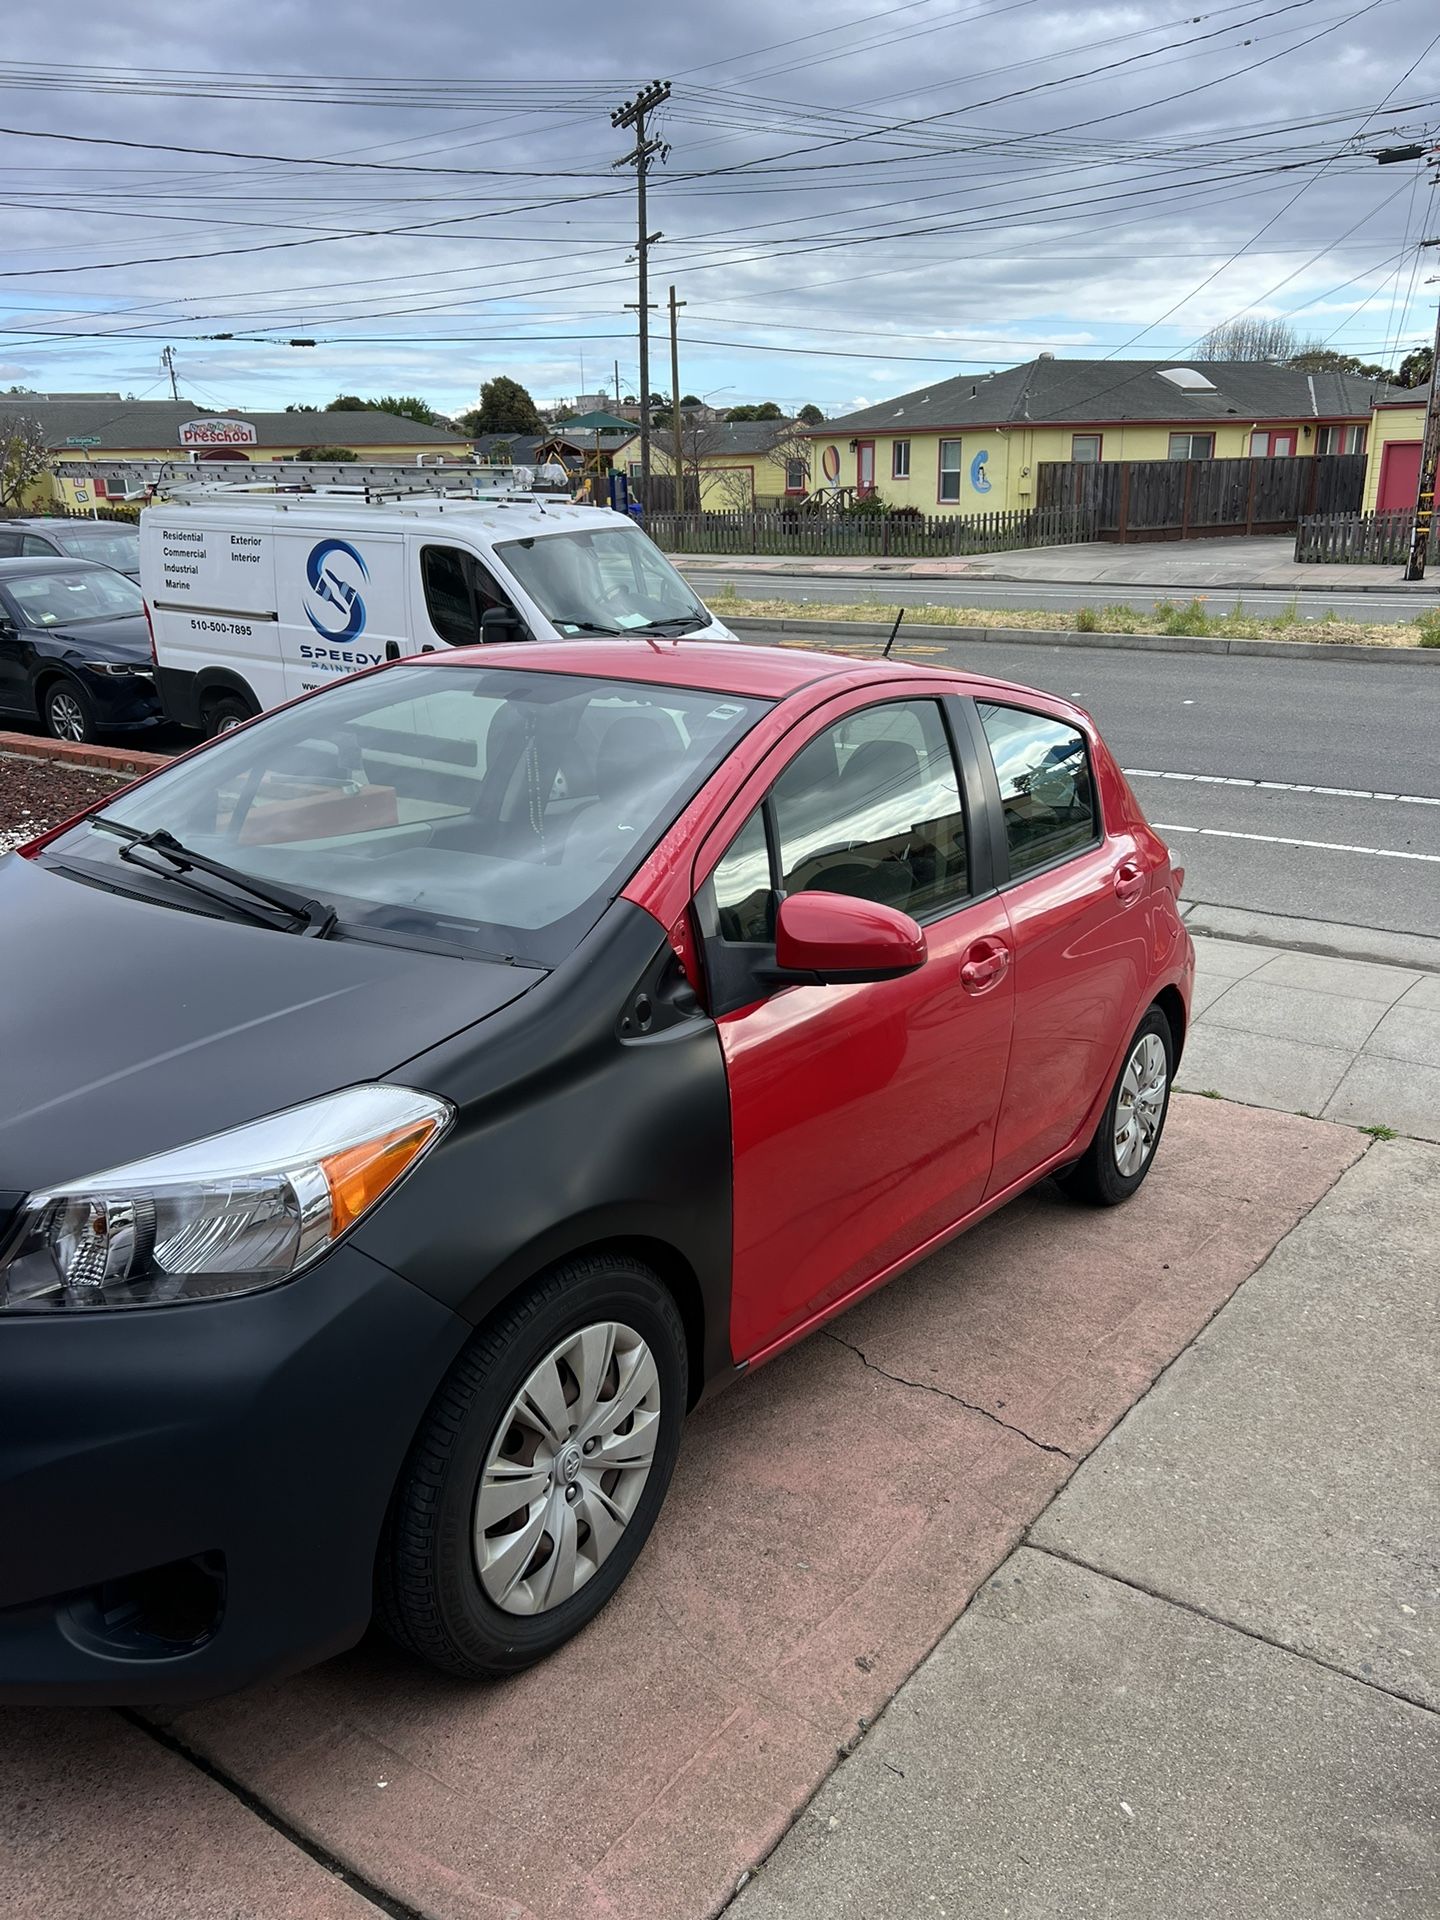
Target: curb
x,y
1245,926
1412,589
29,746
1110,642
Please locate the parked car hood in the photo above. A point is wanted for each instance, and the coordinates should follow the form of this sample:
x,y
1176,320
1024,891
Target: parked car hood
x,y
127,1027
127,638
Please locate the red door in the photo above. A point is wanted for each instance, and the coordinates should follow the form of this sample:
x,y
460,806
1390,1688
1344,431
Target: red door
x,y
865,466
1399,476
862,1116
1078,928
1282,444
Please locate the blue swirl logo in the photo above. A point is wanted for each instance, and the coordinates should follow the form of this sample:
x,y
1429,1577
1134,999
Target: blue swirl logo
x,y
979,478
328,584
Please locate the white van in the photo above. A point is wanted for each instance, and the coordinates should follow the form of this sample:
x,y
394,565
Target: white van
x,y
255,600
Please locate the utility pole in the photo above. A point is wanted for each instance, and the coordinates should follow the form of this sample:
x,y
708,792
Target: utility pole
x,y
634,113
167,362
1423,530
676,418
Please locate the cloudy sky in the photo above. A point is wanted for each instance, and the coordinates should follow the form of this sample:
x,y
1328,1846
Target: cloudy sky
x,y
858,196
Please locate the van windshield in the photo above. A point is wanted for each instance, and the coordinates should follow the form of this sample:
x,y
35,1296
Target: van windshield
x,y
611,580
489,810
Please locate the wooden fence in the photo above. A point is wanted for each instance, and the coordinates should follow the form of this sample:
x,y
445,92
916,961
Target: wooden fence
x,y
51,511
1201,499
899,535
1374,539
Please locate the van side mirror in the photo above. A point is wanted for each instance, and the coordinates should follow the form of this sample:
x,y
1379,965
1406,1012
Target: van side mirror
x,y
499,624
833,938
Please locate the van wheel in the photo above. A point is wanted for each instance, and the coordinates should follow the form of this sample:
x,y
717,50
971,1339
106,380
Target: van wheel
x,y
538,1472
226,713
67,712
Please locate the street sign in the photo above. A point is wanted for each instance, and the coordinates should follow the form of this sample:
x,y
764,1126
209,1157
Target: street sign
x,y
83,440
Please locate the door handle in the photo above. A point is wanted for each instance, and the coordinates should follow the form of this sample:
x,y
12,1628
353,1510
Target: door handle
x,y
1129,881
984,965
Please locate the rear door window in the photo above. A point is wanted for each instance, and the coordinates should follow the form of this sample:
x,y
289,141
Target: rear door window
x,y
1047,788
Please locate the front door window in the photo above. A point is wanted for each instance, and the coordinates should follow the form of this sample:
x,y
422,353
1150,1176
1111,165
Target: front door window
x,y
865,466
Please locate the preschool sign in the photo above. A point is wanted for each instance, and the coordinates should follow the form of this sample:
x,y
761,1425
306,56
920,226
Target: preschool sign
x,y
217,433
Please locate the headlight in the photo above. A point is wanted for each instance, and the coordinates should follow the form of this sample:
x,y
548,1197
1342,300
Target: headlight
x,y
230,1214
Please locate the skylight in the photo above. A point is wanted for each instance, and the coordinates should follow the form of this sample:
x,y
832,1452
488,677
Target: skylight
x,y
1187,379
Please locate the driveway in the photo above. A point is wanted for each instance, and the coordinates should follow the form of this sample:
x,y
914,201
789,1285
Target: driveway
x,y
829,1521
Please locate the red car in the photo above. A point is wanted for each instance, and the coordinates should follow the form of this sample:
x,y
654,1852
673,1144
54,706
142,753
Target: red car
x,y
652,1002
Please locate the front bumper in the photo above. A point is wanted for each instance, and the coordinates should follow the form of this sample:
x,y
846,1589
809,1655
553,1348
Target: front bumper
x,y
124,703
253,1441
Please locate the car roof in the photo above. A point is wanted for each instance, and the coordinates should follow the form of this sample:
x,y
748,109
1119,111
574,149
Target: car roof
x,y
49,563
713,666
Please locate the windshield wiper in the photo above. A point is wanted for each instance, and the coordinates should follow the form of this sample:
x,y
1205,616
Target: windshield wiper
x,y
314,916
589,626
677,623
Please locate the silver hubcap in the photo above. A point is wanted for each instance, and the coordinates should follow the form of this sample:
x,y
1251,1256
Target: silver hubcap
x,y
566,1468
66,717
1141,1103
227,725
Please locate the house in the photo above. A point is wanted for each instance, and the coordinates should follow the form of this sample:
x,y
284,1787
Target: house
x,y
100,427
732,464
1397,434
509,449
975,443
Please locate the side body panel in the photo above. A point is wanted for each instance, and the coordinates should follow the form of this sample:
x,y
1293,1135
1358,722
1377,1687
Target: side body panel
x,y
211,592
340,600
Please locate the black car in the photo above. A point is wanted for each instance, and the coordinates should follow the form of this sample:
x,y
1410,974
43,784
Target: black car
x,y
75,649
48,536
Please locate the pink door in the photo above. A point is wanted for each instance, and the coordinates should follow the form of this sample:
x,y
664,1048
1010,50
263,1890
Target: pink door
x,y
865,466
1399,476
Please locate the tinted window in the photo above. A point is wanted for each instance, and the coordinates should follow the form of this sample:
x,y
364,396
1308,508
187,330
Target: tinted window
x,y
495,810
9,544
458,591
872,808
34,546
1046,788
744,899
112,547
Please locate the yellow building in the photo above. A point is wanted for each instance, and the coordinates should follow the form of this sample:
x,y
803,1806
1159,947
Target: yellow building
x,y
80,430
974,444
1392,472
731,465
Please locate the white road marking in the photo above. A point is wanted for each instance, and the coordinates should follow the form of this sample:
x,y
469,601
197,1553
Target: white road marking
x,y
1281,840
1283,786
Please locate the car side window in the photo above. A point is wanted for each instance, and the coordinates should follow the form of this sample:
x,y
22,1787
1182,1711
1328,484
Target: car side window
x,y
872,808
1047,789
458,590
34,546
9,545
744,897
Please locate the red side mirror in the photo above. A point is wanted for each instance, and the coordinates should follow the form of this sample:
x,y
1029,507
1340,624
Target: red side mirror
x,y
835,937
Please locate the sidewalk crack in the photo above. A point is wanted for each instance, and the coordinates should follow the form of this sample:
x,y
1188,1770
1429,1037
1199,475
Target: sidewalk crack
x,y
925,1386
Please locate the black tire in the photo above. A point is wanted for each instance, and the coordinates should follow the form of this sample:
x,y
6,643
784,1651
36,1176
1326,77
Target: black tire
x,y
64,707
1095,1178
229,710
429,1594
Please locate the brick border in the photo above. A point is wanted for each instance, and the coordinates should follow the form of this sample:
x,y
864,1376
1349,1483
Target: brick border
x,y
30,746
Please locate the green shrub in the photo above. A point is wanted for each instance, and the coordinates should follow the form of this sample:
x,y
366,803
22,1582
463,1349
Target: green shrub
x,y
1429,625
1191,618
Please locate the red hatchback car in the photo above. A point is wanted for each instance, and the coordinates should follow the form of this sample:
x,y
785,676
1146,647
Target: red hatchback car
x,y
654,1001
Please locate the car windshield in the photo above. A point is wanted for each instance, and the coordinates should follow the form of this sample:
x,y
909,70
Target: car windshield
x,y
492,810
67,597
111,546
613,580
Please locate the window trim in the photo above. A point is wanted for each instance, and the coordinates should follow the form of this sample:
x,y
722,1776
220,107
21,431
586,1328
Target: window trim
x,y
895,468
1085,460
943,499
1182,433
995,806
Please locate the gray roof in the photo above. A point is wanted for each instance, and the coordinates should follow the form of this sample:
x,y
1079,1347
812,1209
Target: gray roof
x,y
719,437
156,423
1100,392
523,446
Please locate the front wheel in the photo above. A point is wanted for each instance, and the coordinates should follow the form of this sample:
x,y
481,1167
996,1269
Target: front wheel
x,y
67,712
538,1472
226,713
1119,1156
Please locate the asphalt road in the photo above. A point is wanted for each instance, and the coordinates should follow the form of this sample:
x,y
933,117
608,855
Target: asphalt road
x,y
1354,857
1054,597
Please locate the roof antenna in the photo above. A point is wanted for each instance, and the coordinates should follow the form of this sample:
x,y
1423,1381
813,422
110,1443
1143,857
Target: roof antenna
x,y
893,631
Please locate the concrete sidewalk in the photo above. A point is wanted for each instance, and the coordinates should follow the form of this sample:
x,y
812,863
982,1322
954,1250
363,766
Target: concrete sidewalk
x,y
1208,1682
1182,566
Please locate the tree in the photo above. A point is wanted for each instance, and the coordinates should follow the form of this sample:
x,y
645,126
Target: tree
x,y
407,406
1316,358
301,409
347,403
811,416
505,407
691,400
767,410
329,453
1417,368
24,457
1250,337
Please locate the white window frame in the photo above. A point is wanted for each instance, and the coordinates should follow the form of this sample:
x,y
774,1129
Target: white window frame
x,y
944,473
1089,459
899,459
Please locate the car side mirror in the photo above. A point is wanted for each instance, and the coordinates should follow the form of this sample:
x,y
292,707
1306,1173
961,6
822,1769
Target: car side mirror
x,y
499,624
833,938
